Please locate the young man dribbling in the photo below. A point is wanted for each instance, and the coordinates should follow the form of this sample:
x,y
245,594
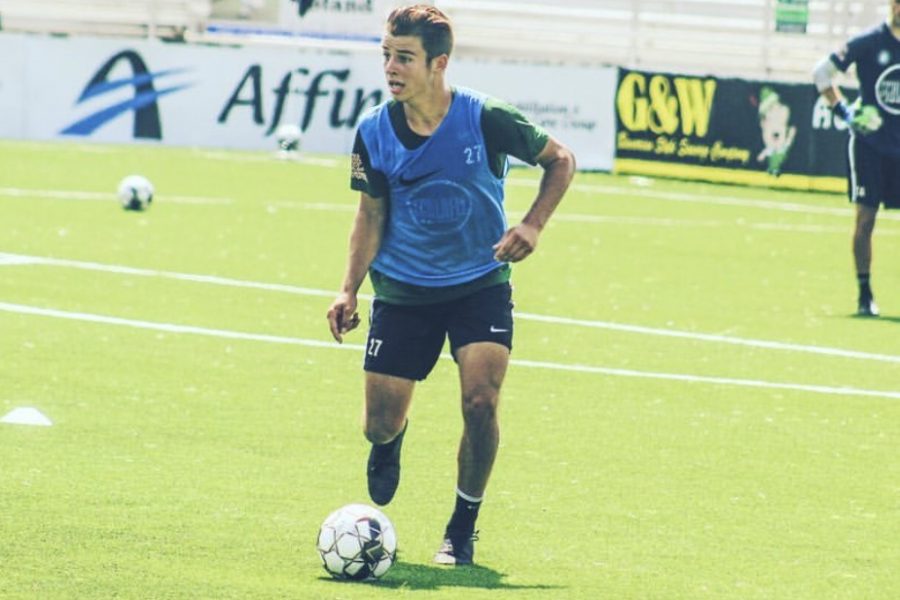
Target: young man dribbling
x,y
431,234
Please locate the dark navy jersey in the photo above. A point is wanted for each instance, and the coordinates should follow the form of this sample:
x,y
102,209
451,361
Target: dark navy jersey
x,y
877,56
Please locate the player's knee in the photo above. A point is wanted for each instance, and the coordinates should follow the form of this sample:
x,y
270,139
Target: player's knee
x,y
865,218
480,405
864,229
381,430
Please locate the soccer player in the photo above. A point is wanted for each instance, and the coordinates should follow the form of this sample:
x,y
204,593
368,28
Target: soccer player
x,y
430,231
874,125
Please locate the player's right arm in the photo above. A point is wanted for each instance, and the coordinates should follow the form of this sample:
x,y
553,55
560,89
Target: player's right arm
x,y
823,76
365,239
859,118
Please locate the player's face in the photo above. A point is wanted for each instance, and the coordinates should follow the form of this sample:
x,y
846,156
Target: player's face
x,y
895,13
406,69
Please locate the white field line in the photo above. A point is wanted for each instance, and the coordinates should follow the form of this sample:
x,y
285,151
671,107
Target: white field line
x,y
275,339
711,337
20,259
171,327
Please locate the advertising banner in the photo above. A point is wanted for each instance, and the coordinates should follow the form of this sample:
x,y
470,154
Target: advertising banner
x,y
345,19
731,130
120,91
148,91
12,88
574,104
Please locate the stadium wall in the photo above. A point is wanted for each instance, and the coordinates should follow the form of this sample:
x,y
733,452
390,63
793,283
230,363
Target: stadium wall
x,y
635,122
126,90
728,130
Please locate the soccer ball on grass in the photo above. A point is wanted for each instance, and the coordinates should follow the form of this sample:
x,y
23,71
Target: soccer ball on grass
x,y
357,542
135,192
288,137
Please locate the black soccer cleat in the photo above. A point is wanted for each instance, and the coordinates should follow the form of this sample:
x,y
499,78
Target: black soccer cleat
x,y
383,469
457,550
867,307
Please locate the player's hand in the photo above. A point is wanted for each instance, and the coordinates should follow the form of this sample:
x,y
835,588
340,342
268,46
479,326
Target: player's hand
x,y
342,315
866,119
861,118
517,243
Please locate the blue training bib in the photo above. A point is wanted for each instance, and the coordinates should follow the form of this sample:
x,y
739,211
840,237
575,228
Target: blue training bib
x,y
445,204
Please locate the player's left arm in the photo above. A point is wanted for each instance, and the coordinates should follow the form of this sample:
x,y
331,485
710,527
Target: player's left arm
x,y
861,119
519,241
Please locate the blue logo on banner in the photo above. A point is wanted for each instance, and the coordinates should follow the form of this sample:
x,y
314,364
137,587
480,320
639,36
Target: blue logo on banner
x,y
303,6
146,113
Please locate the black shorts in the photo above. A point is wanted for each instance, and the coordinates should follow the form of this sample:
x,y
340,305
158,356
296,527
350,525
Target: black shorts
x,y
406,341
874,178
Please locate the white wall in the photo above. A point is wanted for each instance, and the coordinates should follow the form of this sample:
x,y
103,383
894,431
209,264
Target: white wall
x,y
229,97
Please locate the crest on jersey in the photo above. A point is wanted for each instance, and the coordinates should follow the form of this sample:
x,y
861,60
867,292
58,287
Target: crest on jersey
x,y
887,90
884,57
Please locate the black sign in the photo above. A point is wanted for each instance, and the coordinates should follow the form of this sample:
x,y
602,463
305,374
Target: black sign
x,y
728,129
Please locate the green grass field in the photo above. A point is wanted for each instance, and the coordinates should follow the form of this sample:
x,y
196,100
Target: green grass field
x,y
692,411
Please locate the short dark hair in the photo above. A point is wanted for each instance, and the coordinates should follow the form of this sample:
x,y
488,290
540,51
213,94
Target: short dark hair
x,y
426,23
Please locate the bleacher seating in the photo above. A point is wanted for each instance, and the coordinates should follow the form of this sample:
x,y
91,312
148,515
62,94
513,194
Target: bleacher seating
x,y
144,18
722,37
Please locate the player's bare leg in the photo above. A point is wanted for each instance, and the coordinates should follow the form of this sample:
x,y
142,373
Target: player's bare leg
x,y
387,403
482,367
862,255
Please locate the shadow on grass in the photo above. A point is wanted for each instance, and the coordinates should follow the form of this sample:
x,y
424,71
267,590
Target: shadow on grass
x,y
427,577
879,319
892,319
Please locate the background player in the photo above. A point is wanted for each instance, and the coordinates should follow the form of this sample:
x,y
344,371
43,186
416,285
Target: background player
x,y
874,122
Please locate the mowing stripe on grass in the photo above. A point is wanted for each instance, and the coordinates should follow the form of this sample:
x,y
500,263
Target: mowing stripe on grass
x,y
558,217
702,198
276,339
104,197
20,259
563,217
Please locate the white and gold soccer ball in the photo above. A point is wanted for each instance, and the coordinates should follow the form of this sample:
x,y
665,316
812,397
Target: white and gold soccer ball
x,y
288,137
357,542
135,192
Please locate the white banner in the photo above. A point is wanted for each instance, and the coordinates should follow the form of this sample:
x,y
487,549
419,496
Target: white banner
x,y
574,104
119,91
346,19
13,95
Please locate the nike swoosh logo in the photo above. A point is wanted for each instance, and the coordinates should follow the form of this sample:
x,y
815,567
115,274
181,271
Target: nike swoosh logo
x,y
418,178
498,330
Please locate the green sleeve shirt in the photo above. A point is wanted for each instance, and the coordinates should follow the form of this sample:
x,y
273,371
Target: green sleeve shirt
x,y
507,132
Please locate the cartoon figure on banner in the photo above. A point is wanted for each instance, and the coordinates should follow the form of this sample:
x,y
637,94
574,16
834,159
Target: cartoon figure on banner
x,y
777,132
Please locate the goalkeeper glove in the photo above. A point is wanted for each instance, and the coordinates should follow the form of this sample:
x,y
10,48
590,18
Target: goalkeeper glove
x,y
861,119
